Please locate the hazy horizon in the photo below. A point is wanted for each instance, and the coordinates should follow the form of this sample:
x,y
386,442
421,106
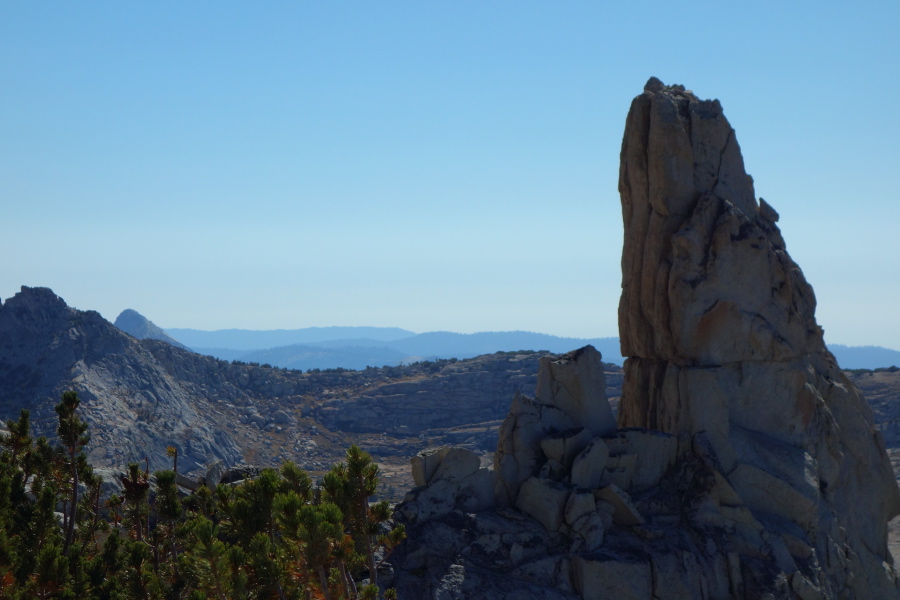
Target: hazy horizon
x,y
426,166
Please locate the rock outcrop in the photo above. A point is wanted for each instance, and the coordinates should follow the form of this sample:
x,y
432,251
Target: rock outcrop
x,y
134,406
719,326
569,409
744,464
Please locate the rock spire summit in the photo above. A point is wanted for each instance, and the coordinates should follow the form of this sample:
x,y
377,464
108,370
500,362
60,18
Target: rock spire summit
x,y
719,326
743,463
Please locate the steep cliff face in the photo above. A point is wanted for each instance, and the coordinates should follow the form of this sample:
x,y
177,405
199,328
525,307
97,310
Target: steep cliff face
x,y
744,464
719,326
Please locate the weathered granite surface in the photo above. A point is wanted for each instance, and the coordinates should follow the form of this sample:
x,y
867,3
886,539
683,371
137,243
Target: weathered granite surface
x,y
744,465
719,324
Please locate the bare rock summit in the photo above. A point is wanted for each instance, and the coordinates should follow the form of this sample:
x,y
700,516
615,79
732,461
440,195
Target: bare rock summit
x,y
719,326
743,465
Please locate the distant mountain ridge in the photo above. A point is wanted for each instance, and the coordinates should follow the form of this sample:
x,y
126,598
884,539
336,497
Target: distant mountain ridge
x,y
307,357
361,352
311,348
446,344
864,357
250,339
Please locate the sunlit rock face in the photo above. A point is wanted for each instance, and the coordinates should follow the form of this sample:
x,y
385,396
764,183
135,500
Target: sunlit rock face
x,y
743,464
719,326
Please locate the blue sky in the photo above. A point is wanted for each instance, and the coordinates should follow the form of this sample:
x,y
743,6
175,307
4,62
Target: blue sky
x,y
427,165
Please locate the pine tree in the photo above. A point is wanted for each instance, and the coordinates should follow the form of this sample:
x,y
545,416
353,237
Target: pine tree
x,y
249,510
319,531
136,510
350,485
72,432
168,511
274,537
209,562
18,440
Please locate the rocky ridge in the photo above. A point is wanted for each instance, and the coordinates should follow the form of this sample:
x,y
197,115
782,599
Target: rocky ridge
x,y
462,393
744,463
141,395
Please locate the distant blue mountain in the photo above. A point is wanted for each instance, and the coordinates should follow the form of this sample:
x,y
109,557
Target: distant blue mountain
x,y
864,357
445,344
358,353
307,357
358,347
223,353
246,339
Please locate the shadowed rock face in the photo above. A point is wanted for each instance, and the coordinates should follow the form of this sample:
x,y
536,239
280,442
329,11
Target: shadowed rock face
x,y
134,323
719,326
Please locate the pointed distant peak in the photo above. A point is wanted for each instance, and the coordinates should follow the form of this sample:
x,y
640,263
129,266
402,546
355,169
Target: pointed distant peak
x,y
130,318
137,325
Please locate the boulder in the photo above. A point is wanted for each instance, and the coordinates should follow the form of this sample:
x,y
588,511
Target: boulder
x,y
544,501
282,418
569,408
624,511
564,446
425,463
575,384
588,531
213,475
579,504
456,465
186,482
589,467
447,479
619,470
519,455
240,473
435,500
654,453
476,492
